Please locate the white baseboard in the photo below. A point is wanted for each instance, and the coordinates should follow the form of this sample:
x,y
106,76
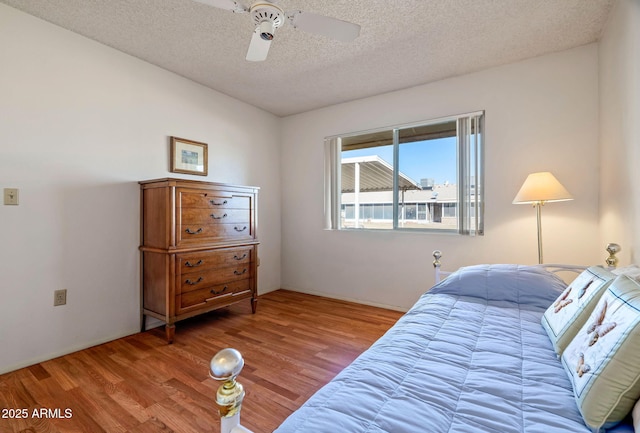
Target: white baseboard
x,y
66,351
344,298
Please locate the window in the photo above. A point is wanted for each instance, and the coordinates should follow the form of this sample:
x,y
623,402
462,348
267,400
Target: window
x,y
424,176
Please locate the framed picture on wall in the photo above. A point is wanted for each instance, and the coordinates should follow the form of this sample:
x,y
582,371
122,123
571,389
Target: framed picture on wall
x,y
189,157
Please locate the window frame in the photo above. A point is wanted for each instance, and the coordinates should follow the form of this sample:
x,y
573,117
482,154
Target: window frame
x,y
469,211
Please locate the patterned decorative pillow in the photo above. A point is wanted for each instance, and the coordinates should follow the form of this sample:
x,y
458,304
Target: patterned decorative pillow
x,y
564,318
602,360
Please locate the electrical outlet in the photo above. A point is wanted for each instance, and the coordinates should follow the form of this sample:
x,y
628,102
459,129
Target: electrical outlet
x,y
60,297
11,196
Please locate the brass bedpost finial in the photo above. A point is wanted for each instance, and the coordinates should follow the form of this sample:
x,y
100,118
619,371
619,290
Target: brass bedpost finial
x,y
436,255
612,260
226,366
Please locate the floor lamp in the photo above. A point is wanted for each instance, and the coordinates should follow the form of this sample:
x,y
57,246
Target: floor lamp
x,y
538,189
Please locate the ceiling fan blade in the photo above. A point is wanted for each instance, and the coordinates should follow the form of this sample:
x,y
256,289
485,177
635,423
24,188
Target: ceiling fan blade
x,y
326,26
258,48
229,5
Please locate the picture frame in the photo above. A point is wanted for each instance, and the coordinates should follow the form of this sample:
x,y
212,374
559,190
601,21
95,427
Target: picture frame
x,y
188,157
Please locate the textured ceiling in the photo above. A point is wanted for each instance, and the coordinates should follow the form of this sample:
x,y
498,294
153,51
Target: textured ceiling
x,y
402,43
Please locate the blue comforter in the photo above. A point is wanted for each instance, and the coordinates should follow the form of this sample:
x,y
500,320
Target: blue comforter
x,y
470,356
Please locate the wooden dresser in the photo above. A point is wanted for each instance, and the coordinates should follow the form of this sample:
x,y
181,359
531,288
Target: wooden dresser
x,y
198,246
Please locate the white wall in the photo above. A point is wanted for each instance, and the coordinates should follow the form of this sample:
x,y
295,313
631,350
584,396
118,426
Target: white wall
x,y
81,125
541,114
620,130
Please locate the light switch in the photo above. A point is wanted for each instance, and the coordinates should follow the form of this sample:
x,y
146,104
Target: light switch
x,y
11,196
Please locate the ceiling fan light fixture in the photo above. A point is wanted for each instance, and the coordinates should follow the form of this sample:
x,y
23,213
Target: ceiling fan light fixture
x,y
267,29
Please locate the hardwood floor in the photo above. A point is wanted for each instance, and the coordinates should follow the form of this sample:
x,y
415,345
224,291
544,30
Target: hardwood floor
x,y
292,346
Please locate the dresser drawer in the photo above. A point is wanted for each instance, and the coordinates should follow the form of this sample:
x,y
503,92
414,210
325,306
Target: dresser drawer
x,y
205,260
209,296
212,200
202,234
222,275
195,216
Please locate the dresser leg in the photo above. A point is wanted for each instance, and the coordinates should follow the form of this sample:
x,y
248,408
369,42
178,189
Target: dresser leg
x,y
254,305
170,330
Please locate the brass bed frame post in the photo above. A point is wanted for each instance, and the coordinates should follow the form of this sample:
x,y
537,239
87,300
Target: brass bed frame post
x,y
226,366
612,260
437,254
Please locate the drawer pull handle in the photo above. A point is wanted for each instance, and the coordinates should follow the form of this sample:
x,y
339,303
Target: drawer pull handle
x,y
214,292
193,283
193,265
240,273
240,229
235,256
218,217
191,232
214,203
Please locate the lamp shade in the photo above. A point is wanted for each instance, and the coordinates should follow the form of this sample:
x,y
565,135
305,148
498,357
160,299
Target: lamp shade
x,y
541,187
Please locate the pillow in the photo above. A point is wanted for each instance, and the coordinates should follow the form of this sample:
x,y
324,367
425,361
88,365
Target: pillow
x,y
602,360
636,417
530,285
631,271
564,318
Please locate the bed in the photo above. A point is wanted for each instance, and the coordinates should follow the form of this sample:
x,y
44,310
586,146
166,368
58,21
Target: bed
x,y
472,355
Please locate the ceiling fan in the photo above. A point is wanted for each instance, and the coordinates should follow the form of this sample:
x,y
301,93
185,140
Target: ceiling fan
x,y
268,16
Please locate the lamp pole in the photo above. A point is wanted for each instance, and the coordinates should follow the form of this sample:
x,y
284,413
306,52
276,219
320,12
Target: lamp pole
x,y
538,205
